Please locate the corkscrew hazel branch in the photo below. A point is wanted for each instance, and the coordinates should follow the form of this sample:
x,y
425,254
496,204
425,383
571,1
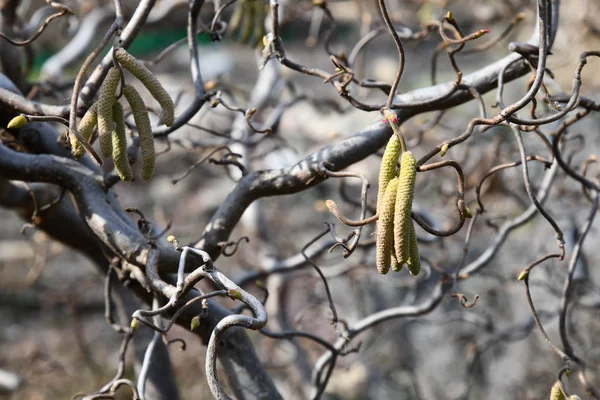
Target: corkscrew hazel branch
x,y
531,194
567,294
351,246
490,43
525,277
248,113
399,47
218,23
501,167
63,11
449,18
202,160
335,210
464,302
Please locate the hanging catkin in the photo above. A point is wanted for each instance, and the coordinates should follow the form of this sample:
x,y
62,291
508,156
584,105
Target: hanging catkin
x,y
119,143
402,215
414,259
153,85
385,228
557,391
142,122
106,100
387,170
85,128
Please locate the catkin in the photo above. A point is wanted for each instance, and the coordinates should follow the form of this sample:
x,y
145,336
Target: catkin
x,y
119,143
153,85
236,18
248,22
395,265
402,215
387,171
385,228
557,393
142,122
414,259
259,30
106,100
85,128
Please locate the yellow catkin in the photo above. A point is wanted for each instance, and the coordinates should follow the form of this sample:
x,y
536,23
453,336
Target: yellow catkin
x,y
557,391
387,171
106,100
385,228
153,85
85,128
395,266
248,21
404,198
236,18
259,30
119,143
142,122
414,260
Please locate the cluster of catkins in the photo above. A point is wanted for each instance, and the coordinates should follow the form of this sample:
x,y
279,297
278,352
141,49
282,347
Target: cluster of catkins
x,y
396,238
247,24
107,113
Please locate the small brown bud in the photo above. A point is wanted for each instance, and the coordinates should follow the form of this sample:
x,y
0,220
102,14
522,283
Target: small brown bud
x,y
235,294
210,85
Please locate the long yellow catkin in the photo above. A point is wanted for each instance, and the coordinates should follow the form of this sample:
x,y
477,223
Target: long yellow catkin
x,y
119,143
248,21
236,19
85,128
387,171
385,228
414,259
557,393
106,100
153,85
404,198
142,122
259,24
